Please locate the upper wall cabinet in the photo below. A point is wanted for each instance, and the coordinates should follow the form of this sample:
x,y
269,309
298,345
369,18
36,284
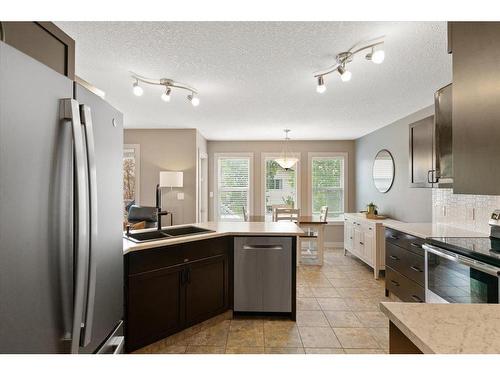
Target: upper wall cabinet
x,y
475,47
44,42
422,153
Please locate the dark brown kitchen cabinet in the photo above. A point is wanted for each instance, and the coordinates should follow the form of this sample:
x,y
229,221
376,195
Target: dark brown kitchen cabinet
x,y
421,158
171,288
44,42
206,288
475,48
156,302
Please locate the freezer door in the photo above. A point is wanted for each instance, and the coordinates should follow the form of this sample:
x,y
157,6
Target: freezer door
x,y
36,208
105,301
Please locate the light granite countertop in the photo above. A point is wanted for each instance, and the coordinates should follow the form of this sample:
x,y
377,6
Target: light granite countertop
x,y
448,328
219,229
424,230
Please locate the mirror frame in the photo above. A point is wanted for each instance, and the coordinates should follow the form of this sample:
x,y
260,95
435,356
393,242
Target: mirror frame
x,y
393,170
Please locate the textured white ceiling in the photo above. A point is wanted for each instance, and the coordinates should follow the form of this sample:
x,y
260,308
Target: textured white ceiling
x,y
255,78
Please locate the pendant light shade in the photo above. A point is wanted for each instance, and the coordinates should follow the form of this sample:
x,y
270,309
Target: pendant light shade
x,y
286,161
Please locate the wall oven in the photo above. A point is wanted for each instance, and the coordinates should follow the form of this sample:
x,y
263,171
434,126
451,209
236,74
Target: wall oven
x,y
455,278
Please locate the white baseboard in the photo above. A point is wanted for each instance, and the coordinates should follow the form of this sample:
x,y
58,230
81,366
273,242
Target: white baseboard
x,y
334,244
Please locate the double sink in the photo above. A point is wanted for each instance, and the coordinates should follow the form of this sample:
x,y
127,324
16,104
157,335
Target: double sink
x,y
164,234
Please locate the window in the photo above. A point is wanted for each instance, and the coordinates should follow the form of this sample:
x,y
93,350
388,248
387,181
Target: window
x,y
131,175
327,182
280,185
233,178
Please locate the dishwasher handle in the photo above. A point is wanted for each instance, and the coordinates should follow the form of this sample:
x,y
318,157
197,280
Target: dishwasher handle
x,y
262,247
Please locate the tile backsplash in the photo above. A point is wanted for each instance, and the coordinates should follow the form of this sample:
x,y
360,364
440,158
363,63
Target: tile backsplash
x,y
470,212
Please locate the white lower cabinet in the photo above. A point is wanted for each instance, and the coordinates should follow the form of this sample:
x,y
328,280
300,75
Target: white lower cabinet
x,y
365,239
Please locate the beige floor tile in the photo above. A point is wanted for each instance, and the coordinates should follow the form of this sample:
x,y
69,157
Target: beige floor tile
x,y
324,351
311,319
211,336
320,283
307,304
325,292
299,350
381,335
358,304
245,333
373,319
348,282
203,349
330,304
335,275
318,337
365,351
246,350
356,338
352,292
281,334
304,291
343,319
169,349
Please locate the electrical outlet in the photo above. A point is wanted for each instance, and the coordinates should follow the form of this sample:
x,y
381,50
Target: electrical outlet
x,y
211,194
180,196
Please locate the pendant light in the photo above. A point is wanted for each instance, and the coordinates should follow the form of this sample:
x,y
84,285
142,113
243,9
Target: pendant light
x,y
286,161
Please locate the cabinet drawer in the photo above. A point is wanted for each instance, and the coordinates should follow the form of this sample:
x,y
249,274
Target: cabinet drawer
x,y
406,289
404,240
405,262
152,259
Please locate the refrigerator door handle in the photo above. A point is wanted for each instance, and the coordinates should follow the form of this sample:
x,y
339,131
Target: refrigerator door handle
x,y
69,110
86,117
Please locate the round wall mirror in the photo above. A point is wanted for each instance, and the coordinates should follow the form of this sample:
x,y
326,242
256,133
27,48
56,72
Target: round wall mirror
x,y
383,171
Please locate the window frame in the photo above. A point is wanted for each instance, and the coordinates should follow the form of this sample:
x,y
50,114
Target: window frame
x,y
274,155
328,155
232,155
137,154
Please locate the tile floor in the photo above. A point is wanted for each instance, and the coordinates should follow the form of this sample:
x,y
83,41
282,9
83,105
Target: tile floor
x,y
337,313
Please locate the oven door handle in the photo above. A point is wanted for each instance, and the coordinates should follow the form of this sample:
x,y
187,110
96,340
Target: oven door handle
x,y
480,266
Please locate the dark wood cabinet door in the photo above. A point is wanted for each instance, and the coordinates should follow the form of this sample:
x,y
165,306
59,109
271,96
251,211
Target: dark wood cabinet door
x,y
206,288
155,306
422,153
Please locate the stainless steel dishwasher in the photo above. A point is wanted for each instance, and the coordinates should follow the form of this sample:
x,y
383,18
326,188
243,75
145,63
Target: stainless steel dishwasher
x,y
263,274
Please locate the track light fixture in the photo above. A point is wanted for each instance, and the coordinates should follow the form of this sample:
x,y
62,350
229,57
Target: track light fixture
x,y
169,84
321,88
376,55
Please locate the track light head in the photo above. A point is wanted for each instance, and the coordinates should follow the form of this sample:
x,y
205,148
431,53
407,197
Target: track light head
x,y
345,75
377,57
195,101
136,89
166,95
321,88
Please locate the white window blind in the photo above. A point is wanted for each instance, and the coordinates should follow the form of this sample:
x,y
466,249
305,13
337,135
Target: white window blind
x,y
327,185
233,190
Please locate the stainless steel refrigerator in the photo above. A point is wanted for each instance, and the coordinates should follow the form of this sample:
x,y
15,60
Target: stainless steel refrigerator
x,y
61,260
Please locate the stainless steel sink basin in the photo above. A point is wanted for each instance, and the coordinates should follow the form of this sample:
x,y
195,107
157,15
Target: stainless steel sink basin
x,y
166,233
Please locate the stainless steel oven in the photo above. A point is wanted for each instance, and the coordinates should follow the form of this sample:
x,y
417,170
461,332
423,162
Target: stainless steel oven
x,y
454,278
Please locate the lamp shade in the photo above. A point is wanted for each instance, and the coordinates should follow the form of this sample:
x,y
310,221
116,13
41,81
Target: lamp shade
x,y
171,179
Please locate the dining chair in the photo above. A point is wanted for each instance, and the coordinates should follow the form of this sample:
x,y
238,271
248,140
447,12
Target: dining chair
x,y
323,214
275,206
287,214
245,213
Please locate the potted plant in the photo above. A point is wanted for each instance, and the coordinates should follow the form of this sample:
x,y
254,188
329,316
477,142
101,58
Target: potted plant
x,y
372,208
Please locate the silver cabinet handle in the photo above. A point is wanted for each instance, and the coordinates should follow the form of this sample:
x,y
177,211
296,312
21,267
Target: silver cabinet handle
x,y
69,111
262,247
415,268
86,118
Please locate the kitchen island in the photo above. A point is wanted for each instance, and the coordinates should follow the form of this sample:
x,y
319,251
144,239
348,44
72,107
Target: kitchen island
x,y
443,328
177,282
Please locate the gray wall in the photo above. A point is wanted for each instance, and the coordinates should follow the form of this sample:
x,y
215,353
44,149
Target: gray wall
x,y
167,149
401,202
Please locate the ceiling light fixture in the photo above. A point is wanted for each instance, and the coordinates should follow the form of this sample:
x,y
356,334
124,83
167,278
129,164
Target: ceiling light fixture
x,y
166,95
285,161
376,55
321,88
168,84
137,90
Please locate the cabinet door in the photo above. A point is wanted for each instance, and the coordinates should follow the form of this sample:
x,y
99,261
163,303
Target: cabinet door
x,y
207,288
348,235
155,306
369,246
357,246
422,153
475,109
